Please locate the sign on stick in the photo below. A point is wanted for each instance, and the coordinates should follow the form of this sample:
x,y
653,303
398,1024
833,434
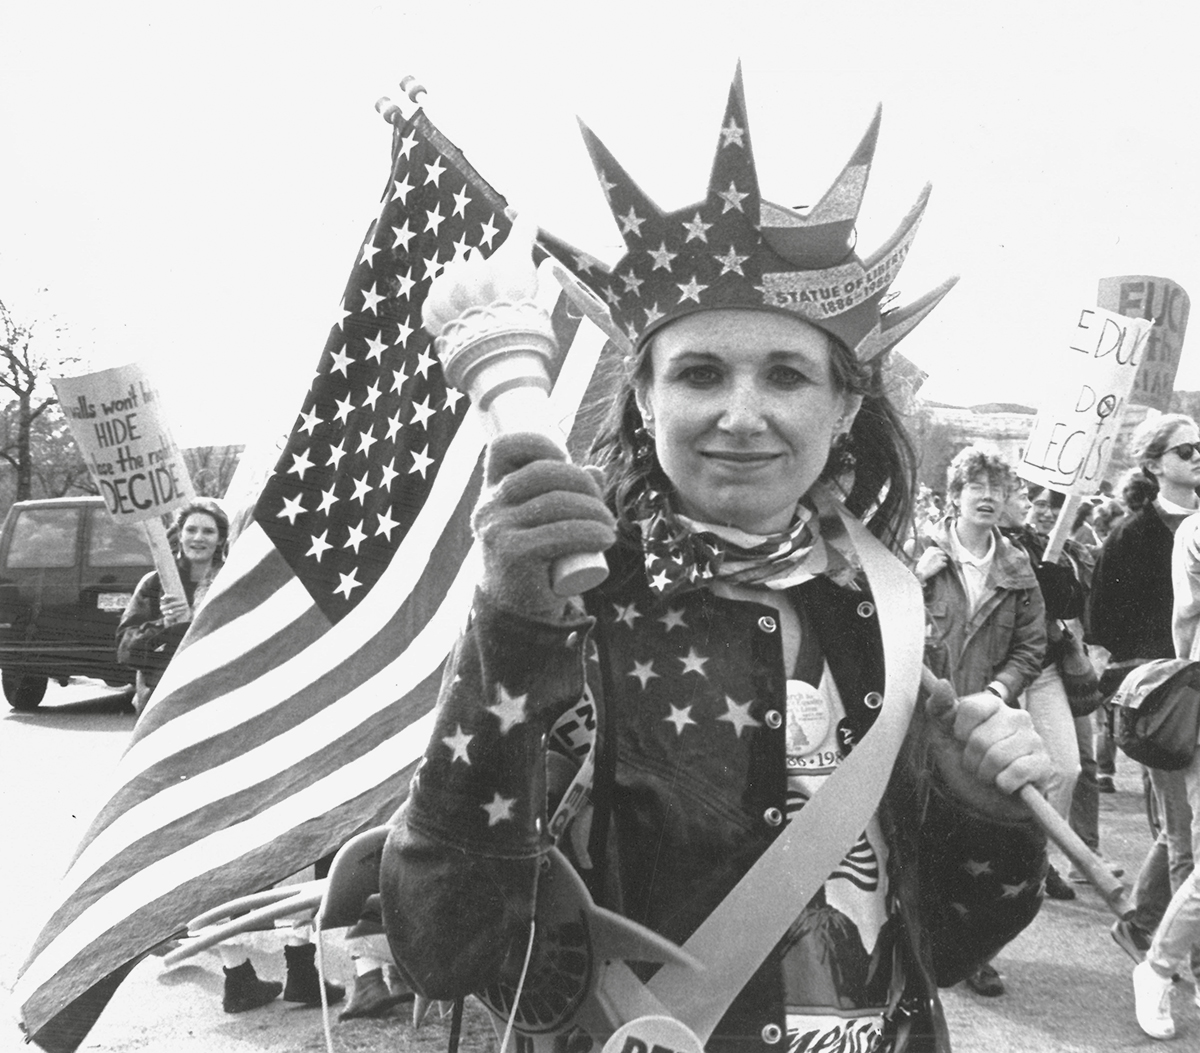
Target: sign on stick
x,y
1072,438
116,420
1163,303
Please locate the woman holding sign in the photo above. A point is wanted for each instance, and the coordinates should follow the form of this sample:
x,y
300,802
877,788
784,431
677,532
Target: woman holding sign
x,y
728,672
153,624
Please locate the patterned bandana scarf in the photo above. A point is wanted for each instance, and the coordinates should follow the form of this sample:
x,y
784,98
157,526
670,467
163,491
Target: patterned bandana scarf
x,y
683,553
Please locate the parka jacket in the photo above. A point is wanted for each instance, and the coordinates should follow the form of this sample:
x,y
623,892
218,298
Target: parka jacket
x,y
144,639
1061,583
1129,608
689,790
1003,639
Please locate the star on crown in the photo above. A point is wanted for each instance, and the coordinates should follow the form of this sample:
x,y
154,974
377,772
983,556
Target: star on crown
x,y
734,249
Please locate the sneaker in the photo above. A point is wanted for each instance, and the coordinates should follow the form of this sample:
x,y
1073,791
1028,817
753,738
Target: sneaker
x,y
1056,888
986,981
1132,939
1105,784
1152,1002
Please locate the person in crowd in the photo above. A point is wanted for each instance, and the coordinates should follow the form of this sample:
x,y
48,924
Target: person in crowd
x,y
1026,520
734,657
1129,615
1082,532
985,612
148,635
1177,937
1033,513
1109,512
153,624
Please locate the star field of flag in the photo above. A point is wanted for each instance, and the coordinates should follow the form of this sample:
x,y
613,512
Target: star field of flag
x,y
371,434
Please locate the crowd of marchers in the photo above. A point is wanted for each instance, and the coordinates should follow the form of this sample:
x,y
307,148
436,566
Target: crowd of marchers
x,y
1127,582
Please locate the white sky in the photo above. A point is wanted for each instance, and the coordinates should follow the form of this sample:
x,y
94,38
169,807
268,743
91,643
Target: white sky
x,y
188,184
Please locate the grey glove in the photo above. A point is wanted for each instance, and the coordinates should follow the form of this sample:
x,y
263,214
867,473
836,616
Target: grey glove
x,y
536,507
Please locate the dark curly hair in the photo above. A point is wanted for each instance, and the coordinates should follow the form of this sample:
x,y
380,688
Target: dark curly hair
x,y
1138,489
875,467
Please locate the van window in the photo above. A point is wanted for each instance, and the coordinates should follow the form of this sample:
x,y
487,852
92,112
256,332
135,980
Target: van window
x,y
44,537
116,544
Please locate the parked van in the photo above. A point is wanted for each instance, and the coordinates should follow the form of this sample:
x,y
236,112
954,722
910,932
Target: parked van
x,y
67,572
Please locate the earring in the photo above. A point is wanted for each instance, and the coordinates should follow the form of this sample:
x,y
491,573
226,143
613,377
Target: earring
x,y
643,446
842,457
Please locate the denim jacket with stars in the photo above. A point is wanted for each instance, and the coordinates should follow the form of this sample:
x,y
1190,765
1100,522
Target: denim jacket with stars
x,y
690,775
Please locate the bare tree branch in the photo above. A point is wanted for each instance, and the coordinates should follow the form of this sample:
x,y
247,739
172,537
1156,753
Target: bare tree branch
x,y
33,428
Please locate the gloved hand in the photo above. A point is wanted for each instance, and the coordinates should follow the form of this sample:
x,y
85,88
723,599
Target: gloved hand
x,y
536,507
985,750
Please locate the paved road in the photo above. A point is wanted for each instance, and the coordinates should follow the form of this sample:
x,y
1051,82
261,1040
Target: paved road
x,y
55,766
1068,984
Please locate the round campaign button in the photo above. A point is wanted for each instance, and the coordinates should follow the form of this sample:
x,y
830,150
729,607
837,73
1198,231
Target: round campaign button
x,y
808,718
646,1033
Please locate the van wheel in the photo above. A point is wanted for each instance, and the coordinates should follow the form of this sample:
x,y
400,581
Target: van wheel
x,y
23,690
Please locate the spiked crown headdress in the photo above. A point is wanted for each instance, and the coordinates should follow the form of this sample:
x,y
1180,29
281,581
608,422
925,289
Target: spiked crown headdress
x,y
733,249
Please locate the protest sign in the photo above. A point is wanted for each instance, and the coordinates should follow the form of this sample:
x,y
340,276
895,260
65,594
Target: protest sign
x,y
116,419
1164,304
1072,438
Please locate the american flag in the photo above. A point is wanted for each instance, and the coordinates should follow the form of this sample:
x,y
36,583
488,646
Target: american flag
x,y
294,712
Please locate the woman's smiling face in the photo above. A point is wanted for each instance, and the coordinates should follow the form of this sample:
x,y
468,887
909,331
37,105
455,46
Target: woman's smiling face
x,y
1041,515
744,407
198,537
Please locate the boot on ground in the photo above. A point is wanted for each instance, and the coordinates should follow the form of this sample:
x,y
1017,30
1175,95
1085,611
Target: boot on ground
x,y
303,983
245,991
371,997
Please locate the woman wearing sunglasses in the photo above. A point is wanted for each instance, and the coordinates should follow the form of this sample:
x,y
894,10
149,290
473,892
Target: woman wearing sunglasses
x,y
1129,613
1129,610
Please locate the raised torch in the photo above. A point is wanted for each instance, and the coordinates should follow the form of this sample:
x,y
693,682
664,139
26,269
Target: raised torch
x,y
496,343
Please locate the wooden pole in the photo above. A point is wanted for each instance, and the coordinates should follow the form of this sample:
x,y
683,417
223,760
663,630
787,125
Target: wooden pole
x,y
1062,528
1057,829
164,558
